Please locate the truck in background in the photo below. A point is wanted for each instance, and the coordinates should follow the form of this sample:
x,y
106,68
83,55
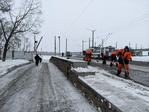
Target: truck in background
x,y
98,50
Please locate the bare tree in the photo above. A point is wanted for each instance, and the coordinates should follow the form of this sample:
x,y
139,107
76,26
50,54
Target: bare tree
x,y
5,5
18,21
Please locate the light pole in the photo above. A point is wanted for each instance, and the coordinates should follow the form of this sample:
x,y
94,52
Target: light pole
x,y
116,46
92,36
129,45
59,45
55,45
66,45
136,46
83,45
89,42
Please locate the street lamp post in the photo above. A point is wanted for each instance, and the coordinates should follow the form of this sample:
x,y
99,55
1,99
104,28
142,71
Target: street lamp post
x,y
59,45
116,46
55,45
136,46
92,36
83,45
66,45
129,45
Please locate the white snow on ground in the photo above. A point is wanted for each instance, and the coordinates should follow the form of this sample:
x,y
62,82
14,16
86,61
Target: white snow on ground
x,y
141,58
102,82
8,64
123,93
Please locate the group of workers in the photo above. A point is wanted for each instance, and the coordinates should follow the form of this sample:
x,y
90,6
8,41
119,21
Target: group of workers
x,y
120,58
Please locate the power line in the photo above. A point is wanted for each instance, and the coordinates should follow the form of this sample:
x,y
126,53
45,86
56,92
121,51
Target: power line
x,y
78,17
127,24
106,38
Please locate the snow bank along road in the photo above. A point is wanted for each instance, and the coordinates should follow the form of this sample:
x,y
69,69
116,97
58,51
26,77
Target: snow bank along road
x,y
40,88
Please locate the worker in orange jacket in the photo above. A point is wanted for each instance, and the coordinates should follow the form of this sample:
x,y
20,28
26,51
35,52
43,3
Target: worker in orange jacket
x,y
114,58
87,56
124,57
104,57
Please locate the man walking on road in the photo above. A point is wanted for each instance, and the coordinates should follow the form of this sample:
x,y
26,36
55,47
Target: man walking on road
x,y
37,59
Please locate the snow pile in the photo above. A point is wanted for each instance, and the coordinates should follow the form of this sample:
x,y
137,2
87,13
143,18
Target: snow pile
x,y
8,64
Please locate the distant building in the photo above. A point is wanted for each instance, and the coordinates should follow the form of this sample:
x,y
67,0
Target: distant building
x,y
141,52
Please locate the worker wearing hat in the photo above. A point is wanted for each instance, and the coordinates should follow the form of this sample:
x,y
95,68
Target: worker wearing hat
x,y
124,57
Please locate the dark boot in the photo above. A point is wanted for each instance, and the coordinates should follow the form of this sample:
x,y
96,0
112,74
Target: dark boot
x,y
111,64
126,74
88,62
118,72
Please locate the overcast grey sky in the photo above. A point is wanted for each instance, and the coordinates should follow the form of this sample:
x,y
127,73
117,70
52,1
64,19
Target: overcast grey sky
x,y
126,20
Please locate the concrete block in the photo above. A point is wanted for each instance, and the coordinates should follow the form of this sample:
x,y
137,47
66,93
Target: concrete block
x,y
79,64
84,73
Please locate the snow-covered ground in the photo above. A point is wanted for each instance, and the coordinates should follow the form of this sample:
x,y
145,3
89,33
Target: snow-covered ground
x,y
141,58
135,97
125,94
42,88
6,66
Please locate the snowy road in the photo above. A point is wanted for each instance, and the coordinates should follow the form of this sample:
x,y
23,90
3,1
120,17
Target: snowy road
x,y
139,74
40,89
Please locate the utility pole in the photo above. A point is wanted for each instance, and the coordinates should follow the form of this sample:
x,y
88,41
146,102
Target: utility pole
x,y
92,36
89,42
129,45
59,45
116,46
83,45
55,45
136,46
66,45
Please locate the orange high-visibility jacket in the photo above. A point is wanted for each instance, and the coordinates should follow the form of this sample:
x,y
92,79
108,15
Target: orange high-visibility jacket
x,y
125,54
89,51
114,52
120,50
